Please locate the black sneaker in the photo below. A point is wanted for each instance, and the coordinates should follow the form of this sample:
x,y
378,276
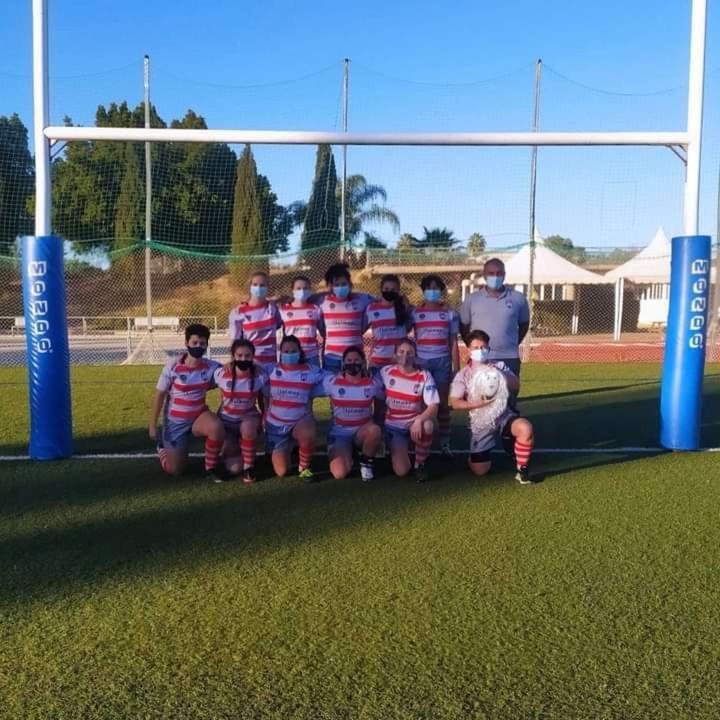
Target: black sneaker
x,y
523,476
216,475
248,476
420,474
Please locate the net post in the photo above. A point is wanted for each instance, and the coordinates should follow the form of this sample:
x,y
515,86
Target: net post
x,y
343,187
148,197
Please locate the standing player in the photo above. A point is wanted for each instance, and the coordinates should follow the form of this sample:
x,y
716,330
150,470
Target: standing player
x,y
412,403
501,421
343,314
388,320
289,419
303,319
257,320
352,393
436,326
241,383
181,390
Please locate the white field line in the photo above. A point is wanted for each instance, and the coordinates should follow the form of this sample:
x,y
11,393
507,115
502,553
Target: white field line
x,y
537,451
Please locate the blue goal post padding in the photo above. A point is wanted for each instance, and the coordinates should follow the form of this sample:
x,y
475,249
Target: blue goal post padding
x,y
47,347
684,362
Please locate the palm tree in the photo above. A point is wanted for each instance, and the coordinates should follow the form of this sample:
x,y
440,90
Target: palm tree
x,y
362,207
437,239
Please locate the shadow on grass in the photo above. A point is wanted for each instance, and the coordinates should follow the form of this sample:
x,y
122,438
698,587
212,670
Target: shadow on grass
x,y
143,524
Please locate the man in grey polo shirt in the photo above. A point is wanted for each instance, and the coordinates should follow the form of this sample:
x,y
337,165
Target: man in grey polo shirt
x,y
500,311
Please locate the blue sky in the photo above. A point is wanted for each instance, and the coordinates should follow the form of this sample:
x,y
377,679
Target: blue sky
x,y
420,66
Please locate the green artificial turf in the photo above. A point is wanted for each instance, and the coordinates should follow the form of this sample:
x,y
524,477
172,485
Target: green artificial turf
x,y
594,594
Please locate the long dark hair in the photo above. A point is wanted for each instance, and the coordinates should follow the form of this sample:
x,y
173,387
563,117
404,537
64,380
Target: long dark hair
x,y
401,310
293,339
361,353
239,343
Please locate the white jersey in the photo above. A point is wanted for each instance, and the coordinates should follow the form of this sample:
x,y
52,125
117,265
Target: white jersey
x,y
187,386
259,324
351,402
239,398
407,395
290,391
380,317
304,323
434,329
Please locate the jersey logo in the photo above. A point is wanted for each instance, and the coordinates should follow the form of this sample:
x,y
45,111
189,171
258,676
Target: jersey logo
x,y
278,373
332,306
183,377
341,391
368,392
376,314
309,313
289,314
416,387
248,317
508,305
443,316
304,377
422,316
392,381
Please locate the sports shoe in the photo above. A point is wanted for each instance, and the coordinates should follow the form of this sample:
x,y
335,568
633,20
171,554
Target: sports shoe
x,y
367,472
307,475
248,476
445,450
420,474
523,476
215,475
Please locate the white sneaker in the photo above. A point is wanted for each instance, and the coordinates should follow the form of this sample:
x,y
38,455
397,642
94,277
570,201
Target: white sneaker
x,y
367,473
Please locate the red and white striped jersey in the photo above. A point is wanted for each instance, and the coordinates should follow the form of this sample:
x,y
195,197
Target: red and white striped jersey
x,y
303,322
290,391
344,322
386,333
406,396
259,324
351,402
239,399
434,329
186,386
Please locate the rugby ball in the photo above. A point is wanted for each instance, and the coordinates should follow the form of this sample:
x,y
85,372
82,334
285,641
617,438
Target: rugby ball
x,y
488,383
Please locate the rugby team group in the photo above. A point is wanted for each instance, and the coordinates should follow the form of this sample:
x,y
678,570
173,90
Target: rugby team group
x,y
400,394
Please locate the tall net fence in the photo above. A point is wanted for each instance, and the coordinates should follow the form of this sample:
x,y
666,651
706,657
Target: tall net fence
x,y
218,211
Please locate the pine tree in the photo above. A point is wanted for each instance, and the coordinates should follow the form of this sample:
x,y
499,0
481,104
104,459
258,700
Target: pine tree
x,y
322,227
247,230
129,222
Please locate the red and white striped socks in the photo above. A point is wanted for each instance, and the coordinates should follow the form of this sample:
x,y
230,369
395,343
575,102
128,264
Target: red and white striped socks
x,y
306,453
163,455
248,448
212,453
523,451
422,448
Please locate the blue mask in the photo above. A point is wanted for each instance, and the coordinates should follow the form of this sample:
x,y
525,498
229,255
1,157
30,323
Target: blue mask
x,y
479,355
432,294
341,291
301,295
495,282
259,292
291,358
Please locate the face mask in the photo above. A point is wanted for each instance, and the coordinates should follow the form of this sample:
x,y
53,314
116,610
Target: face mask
x,y
479,355
243,365
196,352
432,294
495,282
301,295
341,291
259,292
352,368
390,295
405,360
290,358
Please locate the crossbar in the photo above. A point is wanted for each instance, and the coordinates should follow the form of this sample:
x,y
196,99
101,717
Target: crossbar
x,y
283,137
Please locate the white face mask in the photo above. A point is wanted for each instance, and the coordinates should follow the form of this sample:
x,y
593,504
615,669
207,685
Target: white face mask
x,y
479,355
301,295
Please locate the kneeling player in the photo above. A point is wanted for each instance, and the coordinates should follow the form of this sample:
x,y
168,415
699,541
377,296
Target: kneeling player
x,y
241,382
289,419
412,402
352,393
483,387
181,392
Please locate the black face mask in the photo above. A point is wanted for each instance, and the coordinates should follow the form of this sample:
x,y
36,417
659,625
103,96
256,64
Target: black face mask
x,y
352,368
243,365
197,352
390,295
